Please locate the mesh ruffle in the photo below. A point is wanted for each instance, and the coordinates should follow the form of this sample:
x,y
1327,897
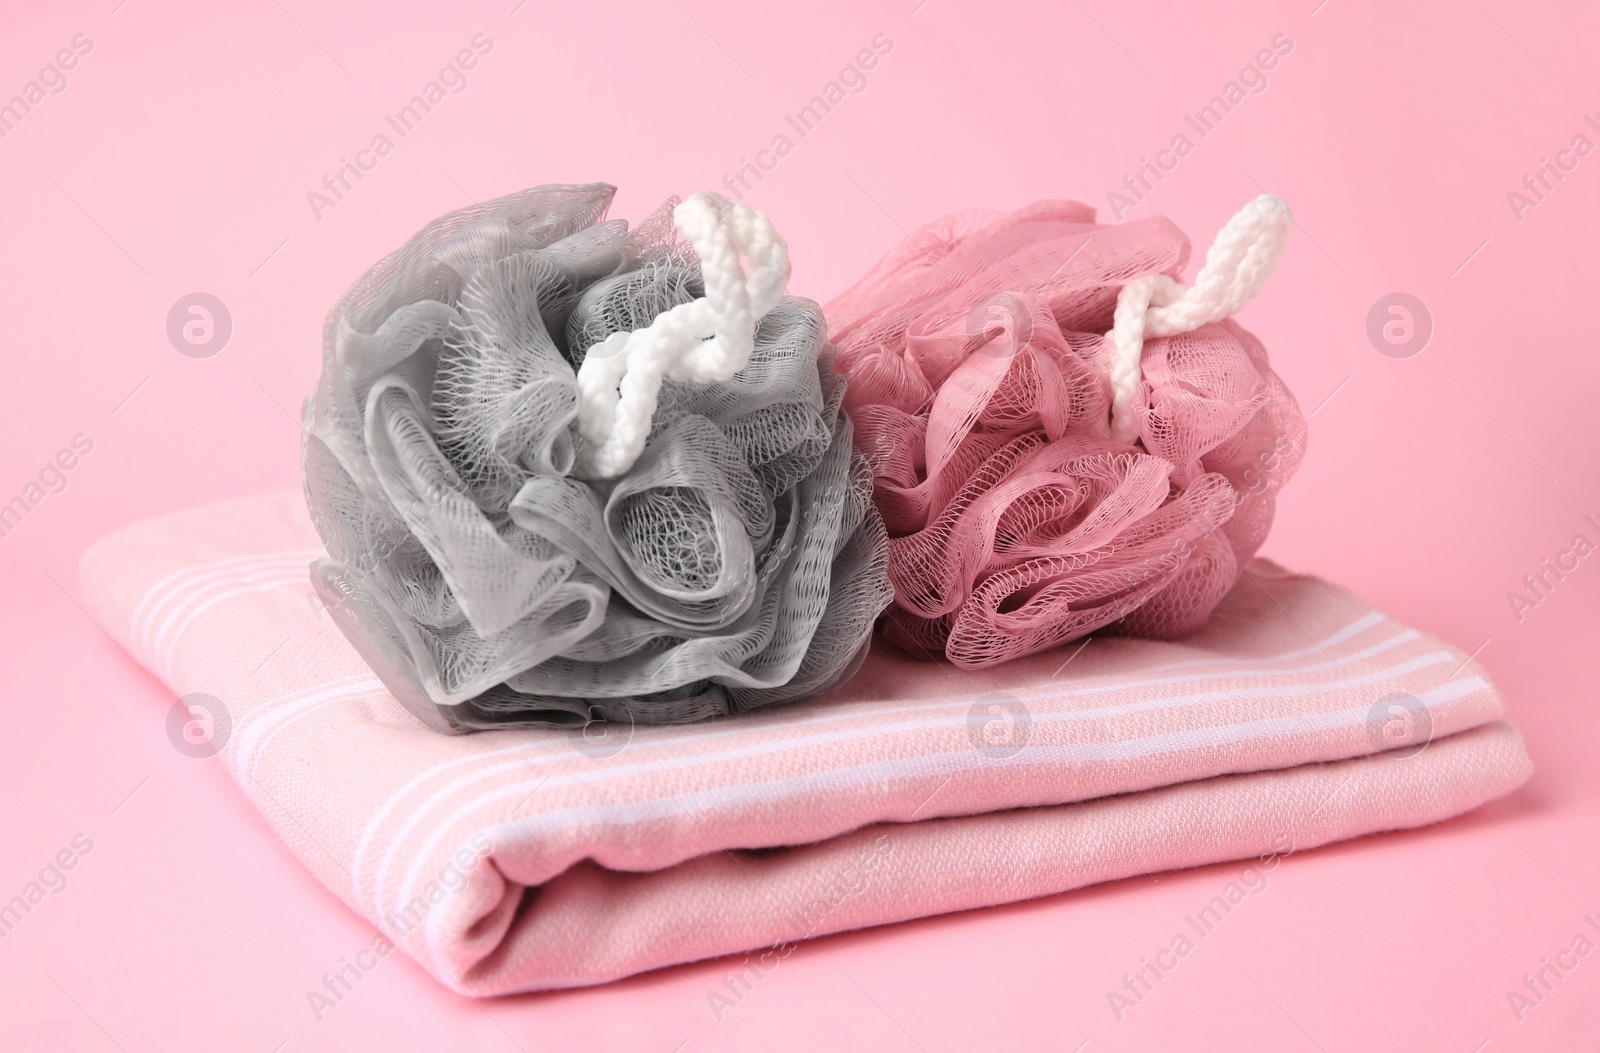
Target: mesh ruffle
x,y
976,358
739,563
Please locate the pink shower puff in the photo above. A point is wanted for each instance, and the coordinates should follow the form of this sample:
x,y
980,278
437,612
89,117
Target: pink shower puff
x,y
977,358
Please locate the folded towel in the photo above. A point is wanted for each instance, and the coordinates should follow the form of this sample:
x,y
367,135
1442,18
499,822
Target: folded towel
x,y
532,859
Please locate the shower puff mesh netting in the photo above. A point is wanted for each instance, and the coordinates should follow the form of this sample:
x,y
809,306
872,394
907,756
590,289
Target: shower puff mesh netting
x,y
977,356
739,562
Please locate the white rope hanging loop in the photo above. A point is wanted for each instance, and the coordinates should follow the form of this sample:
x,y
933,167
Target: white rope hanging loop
x,y
1244,253
704,341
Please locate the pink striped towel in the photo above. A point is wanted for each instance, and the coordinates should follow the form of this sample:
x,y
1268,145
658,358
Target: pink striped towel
x,y
533,859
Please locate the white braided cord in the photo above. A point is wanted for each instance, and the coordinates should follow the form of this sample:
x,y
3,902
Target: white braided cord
x,y
705,341
1237,265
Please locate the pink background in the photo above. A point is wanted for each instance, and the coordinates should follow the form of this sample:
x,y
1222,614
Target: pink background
x,y
178,159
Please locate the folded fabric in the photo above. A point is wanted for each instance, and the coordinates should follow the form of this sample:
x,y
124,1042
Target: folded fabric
x,y
532,859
